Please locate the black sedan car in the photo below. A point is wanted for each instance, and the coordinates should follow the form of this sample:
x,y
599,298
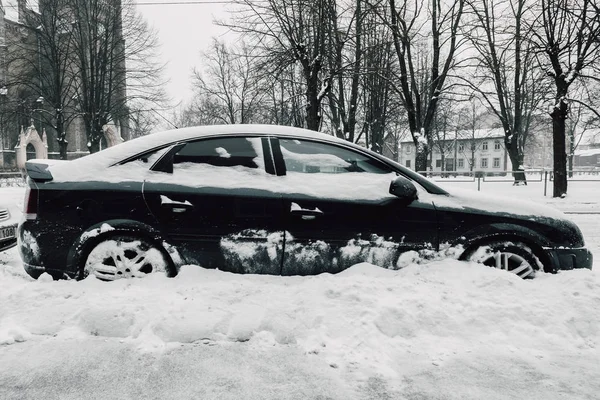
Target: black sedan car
x,y
268,200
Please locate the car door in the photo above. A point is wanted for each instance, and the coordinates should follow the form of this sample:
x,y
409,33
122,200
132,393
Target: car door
x,y
212,199
339,212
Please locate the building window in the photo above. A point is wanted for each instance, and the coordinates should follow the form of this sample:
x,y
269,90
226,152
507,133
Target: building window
x,y
408,149
484,163
497,145
438,163
461,163
484,146
461,147
496,162
407,163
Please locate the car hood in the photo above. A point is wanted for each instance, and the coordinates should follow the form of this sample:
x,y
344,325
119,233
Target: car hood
x,y
477,202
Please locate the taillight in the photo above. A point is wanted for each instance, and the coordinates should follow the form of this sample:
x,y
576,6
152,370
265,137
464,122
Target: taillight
x,y
31,203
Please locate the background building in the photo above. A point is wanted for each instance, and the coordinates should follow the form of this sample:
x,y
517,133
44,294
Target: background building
x,y
21,106
462,151
587,149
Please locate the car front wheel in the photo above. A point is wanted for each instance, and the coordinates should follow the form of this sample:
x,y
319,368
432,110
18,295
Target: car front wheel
x,y
514,257
119,257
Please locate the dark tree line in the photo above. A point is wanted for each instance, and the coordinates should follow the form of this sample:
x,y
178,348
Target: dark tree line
x,y
376,70
92,61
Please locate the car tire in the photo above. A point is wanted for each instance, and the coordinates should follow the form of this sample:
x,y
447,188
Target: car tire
x,y
512,256
124,256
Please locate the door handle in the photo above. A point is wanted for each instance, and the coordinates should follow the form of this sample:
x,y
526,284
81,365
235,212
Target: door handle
x,y
175,206
305,213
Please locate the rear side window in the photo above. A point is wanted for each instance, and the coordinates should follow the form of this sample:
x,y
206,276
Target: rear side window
x,y
221,152
148,159
313,157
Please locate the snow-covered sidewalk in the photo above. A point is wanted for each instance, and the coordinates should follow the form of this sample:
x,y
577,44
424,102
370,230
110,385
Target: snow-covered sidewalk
x,y
443,330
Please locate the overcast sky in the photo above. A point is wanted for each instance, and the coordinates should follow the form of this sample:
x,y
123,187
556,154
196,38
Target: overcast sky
x,y
183,29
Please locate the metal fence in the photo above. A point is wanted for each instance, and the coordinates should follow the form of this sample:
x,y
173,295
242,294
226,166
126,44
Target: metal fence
x,y
531,175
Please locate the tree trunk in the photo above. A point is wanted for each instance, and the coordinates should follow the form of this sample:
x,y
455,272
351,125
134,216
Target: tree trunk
x,y
94,145
377,133
421,157
516,159
559,116
313,112
571,151
313,118
95,137
517,168
61,137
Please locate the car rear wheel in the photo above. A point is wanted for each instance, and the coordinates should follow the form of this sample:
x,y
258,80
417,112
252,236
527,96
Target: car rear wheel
x,y
514,257
119,257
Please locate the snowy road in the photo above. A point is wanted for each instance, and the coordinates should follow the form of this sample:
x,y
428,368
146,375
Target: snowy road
x,y
444,330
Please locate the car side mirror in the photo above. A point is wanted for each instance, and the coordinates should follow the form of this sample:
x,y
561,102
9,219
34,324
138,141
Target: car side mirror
x,y
403,188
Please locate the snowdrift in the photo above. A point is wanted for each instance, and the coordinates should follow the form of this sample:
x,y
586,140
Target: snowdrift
x,y
366,321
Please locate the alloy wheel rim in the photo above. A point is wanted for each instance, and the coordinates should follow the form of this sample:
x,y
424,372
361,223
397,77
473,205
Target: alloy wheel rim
x,y
115,259
512,263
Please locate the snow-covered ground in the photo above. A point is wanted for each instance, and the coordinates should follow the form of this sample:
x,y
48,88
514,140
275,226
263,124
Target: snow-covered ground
x,y
443,330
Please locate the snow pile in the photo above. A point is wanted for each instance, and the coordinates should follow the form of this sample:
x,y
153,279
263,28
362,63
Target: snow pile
x,y
366,321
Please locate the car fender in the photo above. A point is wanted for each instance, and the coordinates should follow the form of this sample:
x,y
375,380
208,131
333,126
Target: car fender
x,y
100,231
473,238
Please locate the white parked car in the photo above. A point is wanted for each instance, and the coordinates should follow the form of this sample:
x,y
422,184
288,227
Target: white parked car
x,y
9,219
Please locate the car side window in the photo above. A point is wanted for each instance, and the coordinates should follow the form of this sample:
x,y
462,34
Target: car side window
x,y
324,171
216,163
220,152
146,160
310,157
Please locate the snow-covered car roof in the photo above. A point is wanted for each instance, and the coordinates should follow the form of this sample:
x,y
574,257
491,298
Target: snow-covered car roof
x,y
112,155
91,167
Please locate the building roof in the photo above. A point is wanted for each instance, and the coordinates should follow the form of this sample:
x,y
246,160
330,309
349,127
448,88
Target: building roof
x,y
587,153
588,137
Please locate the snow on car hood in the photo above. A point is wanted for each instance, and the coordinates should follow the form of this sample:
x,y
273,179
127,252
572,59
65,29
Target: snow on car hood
x,y
463,199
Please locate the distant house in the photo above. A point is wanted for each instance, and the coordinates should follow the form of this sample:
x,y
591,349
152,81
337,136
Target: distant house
x,y
587,150
479,150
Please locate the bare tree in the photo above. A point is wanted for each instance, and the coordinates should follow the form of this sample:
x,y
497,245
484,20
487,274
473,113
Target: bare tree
x,y
344,53
421,83
506,63
444,131
41,68
286,32
231,83
202,110
283,100
566,35
116,62
469,123
382,111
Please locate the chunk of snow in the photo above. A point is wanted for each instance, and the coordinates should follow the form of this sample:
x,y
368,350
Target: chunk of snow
x,y
165,200
222,152
97,231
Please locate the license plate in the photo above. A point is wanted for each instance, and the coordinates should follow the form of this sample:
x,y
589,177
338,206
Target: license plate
x,y
8,232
